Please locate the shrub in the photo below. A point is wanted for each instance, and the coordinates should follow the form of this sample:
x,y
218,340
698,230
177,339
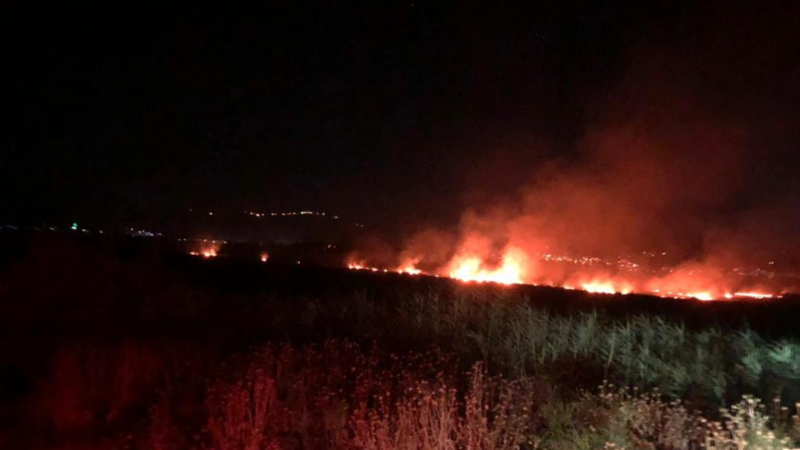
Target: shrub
x,y
91,386
244,415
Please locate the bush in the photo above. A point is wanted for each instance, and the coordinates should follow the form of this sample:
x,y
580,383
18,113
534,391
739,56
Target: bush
x,y
91,386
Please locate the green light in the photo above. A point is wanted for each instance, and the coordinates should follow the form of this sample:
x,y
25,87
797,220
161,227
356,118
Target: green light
x,y
74,225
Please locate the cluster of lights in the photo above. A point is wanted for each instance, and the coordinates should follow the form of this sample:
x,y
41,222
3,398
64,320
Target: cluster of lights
x,y
622,263
630,266
289,214
582,260
143,233
298,213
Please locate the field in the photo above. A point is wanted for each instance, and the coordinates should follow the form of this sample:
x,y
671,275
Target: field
x,y
126,343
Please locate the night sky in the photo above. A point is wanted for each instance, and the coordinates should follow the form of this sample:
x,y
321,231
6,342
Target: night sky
x,y
401,115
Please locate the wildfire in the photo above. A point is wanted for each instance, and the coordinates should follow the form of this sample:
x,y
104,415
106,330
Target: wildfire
x,y
757,295
605,287
703,296
409,270
471,268
404,269
208,249
513,268
210,253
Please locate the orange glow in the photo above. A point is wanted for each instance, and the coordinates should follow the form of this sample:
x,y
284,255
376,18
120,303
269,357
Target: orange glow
x,y
471,268
410,270
208,249
606,287
264,257
514,268
409,267
210,253
704,296
757,295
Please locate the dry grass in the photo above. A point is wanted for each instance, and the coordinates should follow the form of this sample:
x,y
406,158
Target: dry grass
x,y
491,413
508,381
338,397
97,386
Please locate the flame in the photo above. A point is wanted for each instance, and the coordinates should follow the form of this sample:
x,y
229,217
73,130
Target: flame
x,y
205,253
472,268
208,249
409,270
264,257
757,295
606,287
208,253
703,296
409,267
514,268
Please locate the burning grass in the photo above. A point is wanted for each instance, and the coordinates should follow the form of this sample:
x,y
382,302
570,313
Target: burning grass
x,y
472,269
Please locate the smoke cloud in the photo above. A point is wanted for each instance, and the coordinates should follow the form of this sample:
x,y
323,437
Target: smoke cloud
x,y
679,183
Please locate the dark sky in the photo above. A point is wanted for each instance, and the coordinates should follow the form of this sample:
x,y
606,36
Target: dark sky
x,y
398,114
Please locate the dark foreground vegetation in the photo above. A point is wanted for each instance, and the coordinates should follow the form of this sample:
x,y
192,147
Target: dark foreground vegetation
x,y
122,344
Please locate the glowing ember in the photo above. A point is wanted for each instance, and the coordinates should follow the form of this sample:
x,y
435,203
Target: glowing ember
x,y
264,257
605,287
407,269
758,295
